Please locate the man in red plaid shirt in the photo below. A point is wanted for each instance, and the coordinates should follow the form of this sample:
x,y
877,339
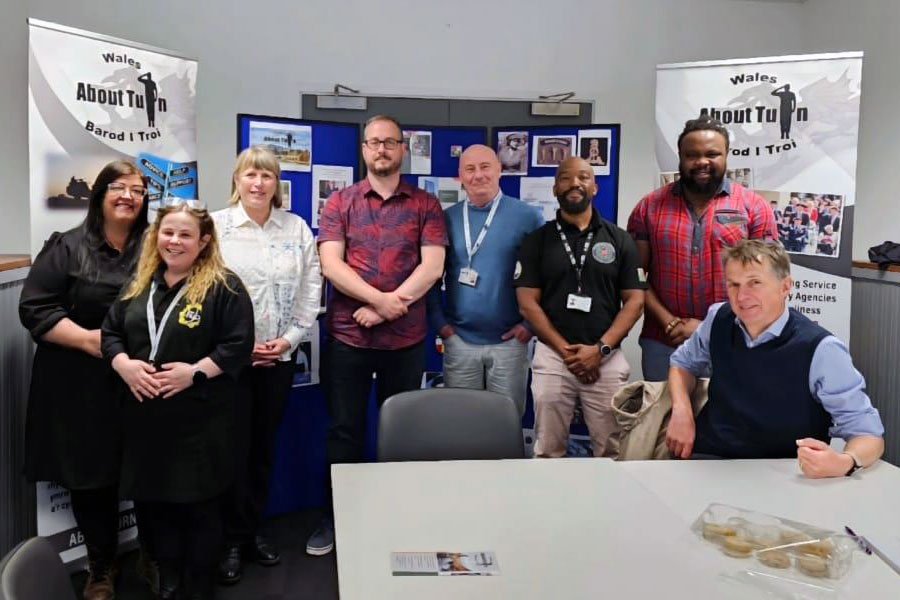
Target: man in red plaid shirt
x,y
681,230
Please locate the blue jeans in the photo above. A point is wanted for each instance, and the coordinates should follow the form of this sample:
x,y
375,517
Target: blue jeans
x,y
655,359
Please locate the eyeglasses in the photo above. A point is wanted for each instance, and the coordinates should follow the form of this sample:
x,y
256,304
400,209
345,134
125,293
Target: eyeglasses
x,y
389,143
119,188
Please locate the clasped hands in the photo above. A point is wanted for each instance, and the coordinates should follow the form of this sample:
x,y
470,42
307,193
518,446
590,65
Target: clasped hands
x,y
583,361
388,306
145,381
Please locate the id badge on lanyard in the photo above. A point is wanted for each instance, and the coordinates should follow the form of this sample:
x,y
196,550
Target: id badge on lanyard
x,y
156,334
578,300
467,275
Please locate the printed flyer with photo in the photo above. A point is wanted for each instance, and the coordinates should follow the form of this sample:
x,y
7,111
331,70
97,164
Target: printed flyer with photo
x,y
444,563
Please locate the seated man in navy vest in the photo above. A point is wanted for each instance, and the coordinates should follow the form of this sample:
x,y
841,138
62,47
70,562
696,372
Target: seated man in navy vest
x,y
781,386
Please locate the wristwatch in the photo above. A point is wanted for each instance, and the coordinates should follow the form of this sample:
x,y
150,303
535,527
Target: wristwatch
x,y
856,464
199,375
605,349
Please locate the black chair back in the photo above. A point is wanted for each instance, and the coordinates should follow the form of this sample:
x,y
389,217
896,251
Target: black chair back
x,y
33,571
449,424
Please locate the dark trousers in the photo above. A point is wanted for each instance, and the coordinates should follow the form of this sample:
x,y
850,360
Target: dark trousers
x,y
187,540
97,515
347,380
260,408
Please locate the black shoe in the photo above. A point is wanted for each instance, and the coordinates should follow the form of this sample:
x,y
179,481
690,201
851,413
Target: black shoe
x,y
265,552
169,583
148,570
230,570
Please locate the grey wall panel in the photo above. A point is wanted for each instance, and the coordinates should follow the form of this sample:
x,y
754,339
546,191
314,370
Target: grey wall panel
x,y
445,112
875,346
17,497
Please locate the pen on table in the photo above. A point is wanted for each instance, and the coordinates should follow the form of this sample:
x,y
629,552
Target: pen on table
x,y
869,548
860,540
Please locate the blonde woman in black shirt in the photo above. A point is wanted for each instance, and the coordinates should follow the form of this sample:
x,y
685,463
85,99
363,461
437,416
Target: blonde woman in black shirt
x,y
178,338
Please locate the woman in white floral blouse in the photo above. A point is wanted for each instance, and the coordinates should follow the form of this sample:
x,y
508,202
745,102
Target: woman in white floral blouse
x,y
274,253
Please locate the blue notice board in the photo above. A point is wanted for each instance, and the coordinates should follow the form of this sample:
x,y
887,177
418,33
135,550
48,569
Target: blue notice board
x,y
534,152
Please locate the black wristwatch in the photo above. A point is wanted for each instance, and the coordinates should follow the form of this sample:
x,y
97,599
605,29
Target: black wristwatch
x,y
199,375
856,465
605,349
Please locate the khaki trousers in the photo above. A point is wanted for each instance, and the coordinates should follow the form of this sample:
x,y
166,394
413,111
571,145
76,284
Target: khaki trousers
x,y
556,391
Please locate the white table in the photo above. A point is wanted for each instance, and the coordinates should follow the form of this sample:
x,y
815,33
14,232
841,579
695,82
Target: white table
x,y
580,528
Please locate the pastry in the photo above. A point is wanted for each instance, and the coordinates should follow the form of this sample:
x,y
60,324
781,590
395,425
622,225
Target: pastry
x,y
716,533
777,559
812,565
737,547
792,536
823,548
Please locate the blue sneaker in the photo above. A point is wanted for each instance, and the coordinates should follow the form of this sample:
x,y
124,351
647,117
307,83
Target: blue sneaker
x,y
321,542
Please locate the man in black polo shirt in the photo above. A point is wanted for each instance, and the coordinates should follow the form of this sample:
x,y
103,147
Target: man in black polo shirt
x,y
580,287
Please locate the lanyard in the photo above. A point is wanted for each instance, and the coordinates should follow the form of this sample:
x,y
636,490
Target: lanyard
x,y
470,249
577,265
156,335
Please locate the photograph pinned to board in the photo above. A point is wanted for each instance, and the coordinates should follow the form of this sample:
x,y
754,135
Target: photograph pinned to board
x,y
285,194
448,190
808,223
551,150
538,191
743,176
326,180
417,160
512,150
593,146
455,151
667,177
307,371
292,144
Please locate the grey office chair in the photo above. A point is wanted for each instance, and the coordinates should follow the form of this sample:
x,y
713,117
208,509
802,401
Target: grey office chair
x,y
33,571
449,424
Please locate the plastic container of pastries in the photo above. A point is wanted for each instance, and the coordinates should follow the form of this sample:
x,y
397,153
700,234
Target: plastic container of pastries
x,y
781,547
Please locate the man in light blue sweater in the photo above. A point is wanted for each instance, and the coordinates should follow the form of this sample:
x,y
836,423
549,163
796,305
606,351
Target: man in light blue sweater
x,y
478,317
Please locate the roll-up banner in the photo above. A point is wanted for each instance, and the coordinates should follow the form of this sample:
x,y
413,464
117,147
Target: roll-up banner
x,y
794,125
93,99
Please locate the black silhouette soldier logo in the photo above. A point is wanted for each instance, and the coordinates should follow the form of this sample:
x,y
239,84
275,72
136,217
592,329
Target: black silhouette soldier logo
x,y
788,106
150,97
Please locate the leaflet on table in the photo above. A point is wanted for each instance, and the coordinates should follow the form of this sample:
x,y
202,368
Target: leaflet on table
x,y
444,563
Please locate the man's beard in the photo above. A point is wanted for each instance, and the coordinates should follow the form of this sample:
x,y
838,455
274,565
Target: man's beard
x,y
709,188
392,168
574,208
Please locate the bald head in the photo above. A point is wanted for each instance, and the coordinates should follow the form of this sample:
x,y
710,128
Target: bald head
x,y
479,172
574,162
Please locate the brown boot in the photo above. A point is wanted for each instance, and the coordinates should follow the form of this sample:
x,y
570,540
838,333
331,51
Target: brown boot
x,y
100,587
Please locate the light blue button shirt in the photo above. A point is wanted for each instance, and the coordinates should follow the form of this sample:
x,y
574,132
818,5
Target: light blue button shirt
x,y
833,380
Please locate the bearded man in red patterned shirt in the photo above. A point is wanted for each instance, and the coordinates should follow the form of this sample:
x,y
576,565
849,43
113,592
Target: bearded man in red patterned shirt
x,y
681,230
381,244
